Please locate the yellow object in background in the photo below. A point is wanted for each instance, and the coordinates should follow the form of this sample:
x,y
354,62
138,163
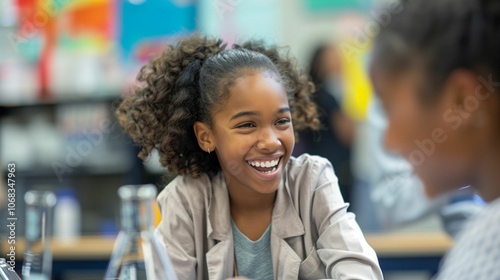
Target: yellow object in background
x,y
357,87
156,215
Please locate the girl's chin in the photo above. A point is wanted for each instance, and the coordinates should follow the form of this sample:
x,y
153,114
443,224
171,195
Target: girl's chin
x,y
265,187
270,189
435,190
262,191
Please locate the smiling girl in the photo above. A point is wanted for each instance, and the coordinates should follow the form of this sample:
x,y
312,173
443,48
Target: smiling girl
x,y
224,119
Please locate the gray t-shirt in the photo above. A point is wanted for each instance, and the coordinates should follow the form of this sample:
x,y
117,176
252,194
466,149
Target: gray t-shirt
x,y
253,258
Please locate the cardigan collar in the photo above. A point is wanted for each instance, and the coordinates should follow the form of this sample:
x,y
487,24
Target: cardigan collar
x,y
285,220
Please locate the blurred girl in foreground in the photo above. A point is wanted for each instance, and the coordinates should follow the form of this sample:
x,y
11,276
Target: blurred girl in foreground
x,y
436,67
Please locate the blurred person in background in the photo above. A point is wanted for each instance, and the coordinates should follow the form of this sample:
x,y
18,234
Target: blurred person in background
x,y
335,138
436,68
398,194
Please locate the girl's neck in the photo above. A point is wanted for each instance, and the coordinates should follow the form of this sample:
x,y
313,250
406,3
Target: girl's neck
x,y
489,182
251,211
247,202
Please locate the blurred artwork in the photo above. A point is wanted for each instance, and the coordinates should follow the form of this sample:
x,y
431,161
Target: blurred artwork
x,y
89,20
146,23
337,5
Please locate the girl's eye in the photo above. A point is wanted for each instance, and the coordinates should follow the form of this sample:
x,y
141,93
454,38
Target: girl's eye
x,y
245,125
283,121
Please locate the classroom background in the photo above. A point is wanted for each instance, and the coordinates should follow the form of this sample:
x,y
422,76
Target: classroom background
x,y
65,63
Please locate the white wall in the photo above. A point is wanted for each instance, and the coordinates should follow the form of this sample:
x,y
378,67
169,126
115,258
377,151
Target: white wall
x,y
282,22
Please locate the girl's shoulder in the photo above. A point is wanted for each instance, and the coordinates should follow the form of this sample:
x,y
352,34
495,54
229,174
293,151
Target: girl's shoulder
x,y
307,164
308,159
186,190
309,170
311,179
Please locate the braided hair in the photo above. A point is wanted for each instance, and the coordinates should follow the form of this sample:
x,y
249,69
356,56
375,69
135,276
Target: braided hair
x,y
441,36
190,82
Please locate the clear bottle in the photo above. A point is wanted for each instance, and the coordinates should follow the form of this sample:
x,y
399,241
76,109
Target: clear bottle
x,y
7,272
67,216
136,254
37,263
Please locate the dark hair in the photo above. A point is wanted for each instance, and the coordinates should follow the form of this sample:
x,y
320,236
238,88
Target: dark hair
x,y
188,83
441,36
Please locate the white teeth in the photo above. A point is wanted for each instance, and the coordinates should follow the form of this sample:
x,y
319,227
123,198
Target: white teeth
x,y
265,172
271,163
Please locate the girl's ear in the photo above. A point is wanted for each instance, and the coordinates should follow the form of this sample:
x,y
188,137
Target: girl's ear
x,y
464,98
204,136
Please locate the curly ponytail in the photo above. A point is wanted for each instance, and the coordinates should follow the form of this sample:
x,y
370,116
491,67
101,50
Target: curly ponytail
x,y
161,113
189,82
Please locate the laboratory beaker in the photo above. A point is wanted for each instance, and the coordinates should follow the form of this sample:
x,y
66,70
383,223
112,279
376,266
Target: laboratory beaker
x,y
37,263
136,254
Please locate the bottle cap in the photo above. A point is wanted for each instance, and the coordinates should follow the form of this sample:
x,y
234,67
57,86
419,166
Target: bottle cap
x,y
130,192
40,198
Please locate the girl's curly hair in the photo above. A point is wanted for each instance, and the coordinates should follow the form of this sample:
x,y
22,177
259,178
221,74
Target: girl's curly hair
x,y
188,82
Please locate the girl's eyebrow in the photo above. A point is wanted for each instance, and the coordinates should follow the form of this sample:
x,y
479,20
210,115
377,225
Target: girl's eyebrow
x,y
254,113
283,110
244,113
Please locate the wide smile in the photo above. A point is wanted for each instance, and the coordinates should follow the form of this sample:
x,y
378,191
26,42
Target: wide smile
x,y
266,169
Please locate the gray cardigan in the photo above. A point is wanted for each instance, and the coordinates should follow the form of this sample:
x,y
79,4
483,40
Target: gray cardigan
x,y
313,236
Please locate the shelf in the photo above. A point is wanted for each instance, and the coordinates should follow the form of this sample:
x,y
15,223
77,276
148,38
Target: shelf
x,y
35,172
62,101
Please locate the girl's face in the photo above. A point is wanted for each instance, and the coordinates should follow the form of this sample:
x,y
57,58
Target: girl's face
x,y
253,133
438,137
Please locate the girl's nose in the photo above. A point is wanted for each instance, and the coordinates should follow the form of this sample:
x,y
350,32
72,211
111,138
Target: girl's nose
x,y
268,141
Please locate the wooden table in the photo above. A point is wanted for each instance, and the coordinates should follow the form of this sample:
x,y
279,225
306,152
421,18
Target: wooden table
x,y
386,245
396,251
410,244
